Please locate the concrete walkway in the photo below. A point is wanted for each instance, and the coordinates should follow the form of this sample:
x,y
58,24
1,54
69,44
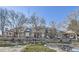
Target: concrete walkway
x,y
55,47
11,49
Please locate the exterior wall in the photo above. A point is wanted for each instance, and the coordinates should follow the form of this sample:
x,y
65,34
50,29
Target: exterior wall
x,y
32,34
27,34
8,34
22,33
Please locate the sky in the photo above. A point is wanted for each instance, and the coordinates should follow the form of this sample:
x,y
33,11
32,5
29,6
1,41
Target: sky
x,y
50,13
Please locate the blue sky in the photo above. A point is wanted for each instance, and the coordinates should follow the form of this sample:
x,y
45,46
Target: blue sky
x,y
55,13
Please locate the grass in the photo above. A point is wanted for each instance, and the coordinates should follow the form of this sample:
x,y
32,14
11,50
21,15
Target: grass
x,y
37,48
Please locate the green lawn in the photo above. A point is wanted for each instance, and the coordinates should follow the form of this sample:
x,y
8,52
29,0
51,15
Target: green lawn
x,y
37,48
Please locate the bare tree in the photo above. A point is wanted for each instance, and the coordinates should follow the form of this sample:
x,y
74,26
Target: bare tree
x,y
3,20
34,22
43,26
52,30
16,20
38,26
42,22
73,24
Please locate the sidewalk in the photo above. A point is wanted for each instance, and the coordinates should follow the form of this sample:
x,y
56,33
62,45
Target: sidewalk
x,y
11,49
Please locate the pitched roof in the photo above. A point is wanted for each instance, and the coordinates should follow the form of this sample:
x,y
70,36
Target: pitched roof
x,y
70,31
28,30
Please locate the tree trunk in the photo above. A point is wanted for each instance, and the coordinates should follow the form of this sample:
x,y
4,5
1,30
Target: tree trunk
x,y
2,33
76,36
